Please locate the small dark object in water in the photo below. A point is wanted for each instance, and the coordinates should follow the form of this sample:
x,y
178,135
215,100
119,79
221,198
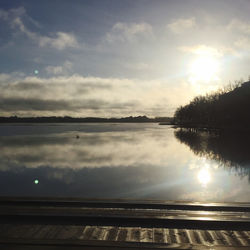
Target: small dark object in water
x,y
77,137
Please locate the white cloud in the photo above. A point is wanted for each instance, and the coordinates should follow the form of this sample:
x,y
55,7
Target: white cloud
x,y
100,149
57,70
243,43
89,96
59,40
128,32
238,25
202,50
180,25
241,31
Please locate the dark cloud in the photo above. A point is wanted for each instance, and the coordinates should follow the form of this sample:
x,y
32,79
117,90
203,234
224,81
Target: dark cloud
x,y
21,104
24,86
76,95
28,104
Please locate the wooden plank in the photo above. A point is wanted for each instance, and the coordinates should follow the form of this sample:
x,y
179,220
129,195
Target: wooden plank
x,y
146,235
112,234
238,238
221,237
202,237
105,232
123,217
167,238
183,235
97,234
20,231
228,239
174,236
218,240
122,234
158,235
246,235
126,203
191,237
133,213
208,237
69,232
41,233
86,233
99,245
197,236
52,231
135,234
102,236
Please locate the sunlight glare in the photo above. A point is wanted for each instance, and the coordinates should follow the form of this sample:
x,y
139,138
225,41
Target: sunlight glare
x,y
204,176
205,66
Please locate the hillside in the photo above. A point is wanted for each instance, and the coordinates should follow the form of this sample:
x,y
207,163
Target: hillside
x,y
223,109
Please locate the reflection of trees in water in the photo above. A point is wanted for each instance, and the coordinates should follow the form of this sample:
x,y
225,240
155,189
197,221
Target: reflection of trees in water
x,y
229,149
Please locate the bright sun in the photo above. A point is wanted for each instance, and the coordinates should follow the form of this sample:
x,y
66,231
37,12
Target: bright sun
x,y
204,176
205,66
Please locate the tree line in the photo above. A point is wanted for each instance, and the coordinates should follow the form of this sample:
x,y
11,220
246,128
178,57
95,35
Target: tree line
x,y
68,119
226,108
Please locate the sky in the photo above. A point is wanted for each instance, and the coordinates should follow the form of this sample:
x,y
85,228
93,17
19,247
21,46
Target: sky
x,y
113,58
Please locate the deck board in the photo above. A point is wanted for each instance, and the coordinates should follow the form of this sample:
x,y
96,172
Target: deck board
x,y
105,227
127,234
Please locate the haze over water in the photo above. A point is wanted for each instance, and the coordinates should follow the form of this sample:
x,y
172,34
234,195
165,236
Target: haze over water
x,y
140,161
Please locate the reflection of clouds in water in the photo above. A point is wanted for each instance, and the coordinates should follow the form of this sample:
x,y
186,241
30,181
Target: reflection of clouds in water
x,y
126,161
91,150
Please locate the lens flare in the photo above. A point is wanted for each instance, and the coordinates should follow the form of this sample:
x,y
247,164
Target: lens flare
x,y
36,181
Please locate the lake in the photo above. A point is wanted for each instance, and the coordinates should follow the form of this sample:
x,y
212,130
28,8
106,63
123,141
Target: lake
x,y
138,161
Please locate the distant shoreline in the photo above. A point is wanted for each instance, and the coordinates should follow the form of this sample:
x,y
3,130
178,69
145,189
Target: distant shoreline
x,y
130,119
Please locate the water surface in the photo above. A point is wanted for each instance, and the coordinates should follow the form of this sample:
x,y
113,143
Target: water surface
x,y
141,161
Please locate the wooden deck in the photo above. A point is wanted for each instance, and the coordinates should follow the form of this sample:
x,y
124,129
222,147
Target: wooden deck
x,y
122,224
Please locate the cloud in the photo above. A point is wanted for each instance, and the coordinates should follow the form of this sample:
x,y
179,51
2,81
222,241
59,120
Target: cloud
x,y
76,95
140,66
59,70
4,15
238,25
12,13
242,43
94,150
241,32
58,40
179,26
202,50
128,32
26,104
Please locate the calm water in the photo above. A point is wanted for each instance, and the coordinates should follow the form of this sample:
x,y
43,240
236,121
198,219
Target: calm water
x,y
142,161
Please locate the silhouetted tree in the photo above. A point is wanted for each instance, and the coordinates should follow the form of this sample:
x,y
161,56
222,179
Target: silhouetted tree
x,y
226,108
